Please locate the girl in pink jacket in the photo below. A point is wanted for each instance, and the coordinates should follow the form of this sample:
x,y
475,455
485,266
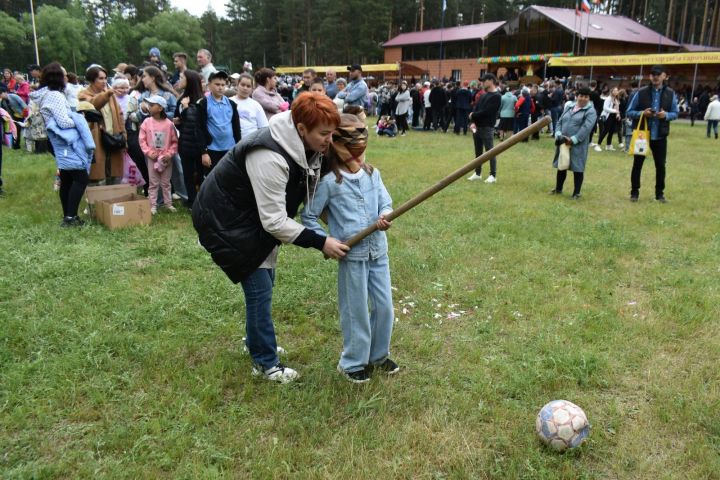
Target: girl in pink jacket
x,y
159,143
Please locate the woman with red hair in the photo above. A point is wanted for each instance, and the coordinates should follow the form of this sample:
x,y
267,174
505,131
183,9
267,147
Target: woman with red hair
x,y
244,211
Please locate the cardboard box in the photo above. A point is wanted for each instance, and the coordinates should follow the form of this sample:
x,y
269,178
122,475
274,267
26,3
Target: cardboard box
x,y
105,192
124,211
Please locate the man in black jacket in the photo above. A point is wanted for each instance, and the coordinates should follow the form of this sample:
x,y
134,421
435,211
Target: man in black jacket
x,y
658,104
484,116
438,101
218,121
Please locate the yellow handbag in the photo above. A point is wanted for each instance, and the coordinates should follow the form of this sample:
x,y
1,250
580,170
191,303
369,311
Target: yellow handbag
x,y
640,142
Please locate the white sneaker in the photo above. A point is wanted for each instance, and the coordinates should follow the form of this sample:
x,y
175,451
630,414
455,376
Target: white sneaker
x,y
474,177
622,145
610,148
593,144
170,208
279,373
153,210
597,148
490,179
175,196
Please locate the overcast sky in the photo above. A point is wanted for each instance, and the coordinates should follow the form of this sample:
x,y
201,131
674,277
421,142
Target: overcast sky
x,y
197,7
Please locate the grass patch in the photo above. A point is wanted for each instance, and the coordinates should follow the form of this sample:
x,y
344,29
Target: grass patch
x,y
121,353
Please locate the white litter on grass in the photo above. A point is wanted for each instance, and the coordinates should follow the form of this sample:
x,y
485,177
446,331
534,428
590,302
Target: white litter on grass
x,y
439,305
517,314
405,311
437,315
396,320
632,302
393,288
452,315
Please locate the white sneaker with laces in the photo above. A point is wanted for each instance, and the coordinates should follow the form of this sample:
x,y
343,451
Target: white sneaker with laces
x,y
610,148
175,196
279,373
153,210
597,148
474,177
490,179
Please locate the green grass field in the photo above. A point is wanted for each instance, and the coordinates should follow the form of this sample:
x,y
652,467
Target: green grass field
x,y
121,352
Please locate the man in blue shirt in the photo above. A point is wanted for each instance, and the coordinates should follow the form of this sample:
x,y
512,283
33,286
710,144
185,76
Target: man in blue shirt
x,y
356,91
218,121
658,104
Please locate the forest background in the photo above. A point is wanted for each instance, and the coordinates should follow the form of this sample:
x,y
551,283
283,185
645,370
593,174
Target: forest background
x,y
81,32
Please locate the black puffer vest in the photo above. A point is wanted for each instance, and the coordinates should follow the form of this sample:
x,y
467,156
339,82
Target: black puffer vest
x,y
225,213
645,101
189,142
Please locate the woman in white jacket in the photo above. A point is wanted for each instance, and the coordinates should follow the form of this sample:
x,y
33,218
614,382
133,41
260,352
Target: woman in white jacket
x,y
712,115
611,118
403,101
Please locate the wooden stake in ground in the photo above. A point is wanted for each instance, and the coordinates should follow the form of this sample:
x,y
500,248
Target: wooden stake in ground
x,y
457,174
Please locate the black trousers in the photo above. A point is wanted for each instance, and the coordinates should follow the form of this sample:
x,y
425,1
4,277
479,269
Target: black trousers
x,y
578,178
133,138
192,173
72,189
215,157
608,129
427,122
659,153
483,140
416,116
402,122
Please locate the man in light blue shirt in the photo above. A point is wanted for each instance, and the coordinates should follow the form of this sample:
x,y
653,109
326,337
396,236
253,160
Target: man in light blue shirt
x,y
357,90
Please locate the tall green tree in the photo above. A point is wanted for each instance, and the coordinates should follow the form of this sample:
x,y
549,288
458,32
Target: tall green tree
x,y
61,36
170,31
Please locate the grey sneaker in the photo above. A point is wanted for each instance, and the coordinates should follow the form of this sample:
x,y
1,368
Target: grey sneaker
x,y
279,373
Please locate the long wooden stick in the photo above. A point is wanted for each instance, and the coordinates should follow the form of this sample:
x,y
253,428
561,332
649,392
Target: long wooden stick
x,y
459,173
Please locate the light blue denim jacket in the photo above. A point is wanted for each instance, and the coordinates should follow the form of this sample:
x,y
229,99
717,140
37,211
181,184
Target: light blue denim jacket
x,y
352,205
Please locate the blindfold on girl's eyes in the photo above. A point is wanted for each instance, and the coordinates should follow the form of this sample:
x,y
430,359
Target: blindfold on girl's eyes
x,y
355,150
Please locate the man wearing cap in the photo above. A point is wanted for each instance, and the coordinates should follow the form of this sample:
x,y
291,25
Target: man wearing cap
x,y
658,104
484,116
357,90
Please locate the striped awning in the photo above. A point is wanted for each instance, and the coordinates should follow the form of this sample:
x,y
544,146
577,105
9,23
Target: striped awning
x,y
539,57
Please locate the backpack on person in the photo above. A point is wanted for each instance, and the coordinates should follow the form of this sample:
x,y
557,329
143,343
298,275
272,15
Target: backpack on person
x,y
35,125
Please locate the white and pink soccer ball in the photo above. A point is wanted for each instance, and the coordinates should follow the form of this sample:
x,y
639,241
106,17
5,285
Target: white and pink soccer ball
x,y
562,425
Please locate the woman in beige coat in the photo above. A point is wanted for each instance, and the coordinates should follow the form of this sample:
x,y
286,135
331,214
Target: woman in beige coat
x,y
108,165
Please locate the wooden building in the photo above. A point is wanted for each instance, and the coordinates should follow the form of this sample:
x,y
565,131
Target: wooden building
x,y
524,43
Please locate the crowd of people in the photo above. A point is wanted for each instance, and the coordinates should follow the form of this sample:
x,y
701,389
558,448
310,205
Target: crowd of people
x,y
303,142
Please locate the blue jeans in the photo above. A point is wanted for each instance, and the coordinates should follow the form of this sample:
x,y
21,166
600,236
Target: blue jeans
x,y
260,332
555,113
366,335
712,124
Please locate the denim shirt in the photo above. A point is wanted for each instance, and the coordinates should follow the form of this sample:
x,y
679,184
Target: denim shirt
x,y
352,205
653,123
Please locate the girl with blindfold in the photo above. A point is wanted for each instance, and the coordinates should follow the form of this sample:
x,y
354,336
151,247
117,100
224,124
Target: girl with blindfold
x,y
353,196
